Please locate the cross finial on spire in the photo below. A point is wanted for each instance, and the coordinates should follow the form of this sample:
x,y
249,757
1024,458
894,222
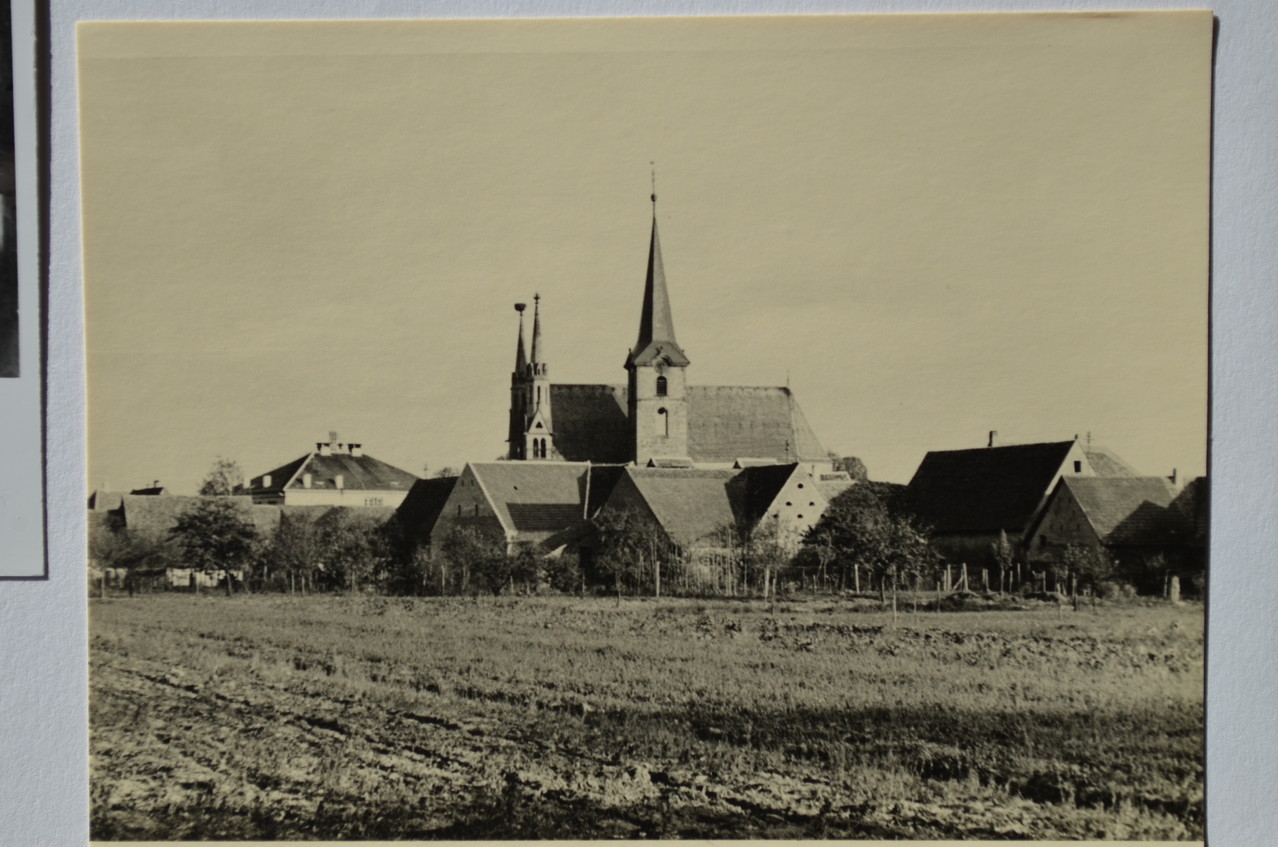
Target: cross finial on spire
x,y
654,187
537,351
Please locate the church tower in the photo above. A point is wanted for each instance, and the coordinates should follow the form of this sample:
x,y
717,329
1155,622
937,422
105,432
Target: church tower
x,y
520,391
539,441
657,369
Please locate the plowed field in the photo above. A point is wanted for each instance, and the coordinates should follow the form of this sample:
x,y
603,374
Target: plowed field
x,y
347,717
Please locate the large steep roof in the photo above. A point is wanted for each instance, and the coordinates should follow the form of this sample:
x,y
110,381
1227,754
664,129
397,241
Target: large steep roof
x,y
159,514
425,501
533,496
591,423
359,473
690,505
725,422
1106,462
985,489
1128,510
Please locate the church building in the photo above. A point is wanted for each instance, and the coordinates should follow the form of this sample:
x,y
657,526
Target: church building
x,y
656,419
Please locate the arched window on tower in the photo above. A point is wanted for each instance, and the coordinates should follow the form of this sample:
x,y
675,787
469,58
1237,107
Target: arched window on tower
x,y
663,422
661,386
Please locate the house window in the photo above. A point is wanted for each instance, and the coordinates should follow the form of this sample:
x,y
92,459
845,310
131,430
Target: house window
x,y
1078,467
663,422
661,386
459,510
476,508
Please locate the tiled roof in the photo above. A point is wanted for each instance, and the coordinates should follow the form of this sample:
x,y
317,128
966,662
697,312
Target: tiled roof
x,y
691,505
105,501
422,507
533,496
1106,463
1128,510
603,479
753,489
727,421
591,423
985,489
152,514
832,485
1194,503
359,473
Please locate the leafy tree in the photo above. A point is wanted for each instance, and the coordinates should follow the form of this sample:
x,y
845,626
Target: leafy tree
x,y
498,570
223,478
563,572
869,525
216,537
630,549
852,466
138,554
353,549
474,552
1090,566
295,548
446,471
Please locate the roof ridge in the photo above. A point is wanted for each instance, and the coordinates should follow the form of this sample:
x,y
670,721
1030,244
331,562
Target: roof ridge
x,y
488,495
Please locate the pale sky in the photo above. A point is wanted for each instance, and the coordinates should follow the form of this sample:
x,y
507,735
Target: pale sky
x,y
931,226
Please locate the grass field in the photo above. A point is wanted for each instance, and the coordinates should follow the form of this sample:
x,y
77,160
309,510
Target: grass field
x,y
349,717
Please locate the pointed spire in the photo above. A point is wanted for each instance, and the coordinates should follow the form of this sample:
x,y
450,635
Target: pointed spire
x,y
536,342
521,361
656,322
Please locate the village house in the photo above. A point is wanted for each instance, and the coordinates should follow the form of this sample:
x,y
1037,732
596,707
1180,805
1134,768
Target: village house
x,y
1132,518
333,474
969,497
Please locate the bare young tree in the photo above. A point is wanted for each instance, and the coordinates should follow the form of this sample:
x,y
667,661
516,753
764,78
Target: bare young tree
x,y
223,478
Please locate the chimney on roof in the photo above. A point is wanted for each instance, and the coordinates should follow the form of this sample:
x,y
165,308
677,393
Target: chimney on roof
x,y
306,480
993,435
1173,476
356,449
324,448
266,480
339,481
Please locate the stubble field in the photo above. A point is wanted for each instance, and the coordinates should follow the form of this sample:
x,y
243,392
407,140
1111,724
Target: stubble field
x,y
348,717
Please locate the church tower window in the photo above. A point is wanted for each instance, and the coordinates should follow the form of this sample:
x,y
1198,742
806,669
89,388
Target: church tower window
x,y
661,386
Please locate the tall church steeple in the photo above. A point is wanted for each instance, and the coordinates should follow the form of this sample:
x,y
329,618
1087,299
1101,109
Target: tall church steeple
x,y
657,385
656,322
540,442
536,342
520,396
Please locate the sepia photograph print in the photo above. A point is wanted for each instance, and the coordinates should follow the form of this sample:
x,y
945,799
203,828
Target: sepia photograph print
x,y
716,428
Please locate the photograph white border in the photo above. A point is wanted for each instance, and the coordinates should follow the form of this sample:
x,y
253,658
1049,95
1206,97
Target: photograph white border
x,y
43,661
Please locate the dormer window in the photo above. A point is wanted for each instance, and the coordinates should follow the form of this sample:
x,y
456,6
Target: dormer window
x,y
661,386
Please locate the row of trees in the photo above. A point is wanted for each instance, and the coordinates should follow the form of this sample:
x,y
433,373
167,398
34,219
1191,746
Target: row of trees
x,y
867,532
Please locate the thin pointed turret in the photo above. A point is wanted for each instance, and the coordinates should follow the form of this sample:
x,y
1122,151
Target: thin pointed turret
x,y
521,361
656,321
537,351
